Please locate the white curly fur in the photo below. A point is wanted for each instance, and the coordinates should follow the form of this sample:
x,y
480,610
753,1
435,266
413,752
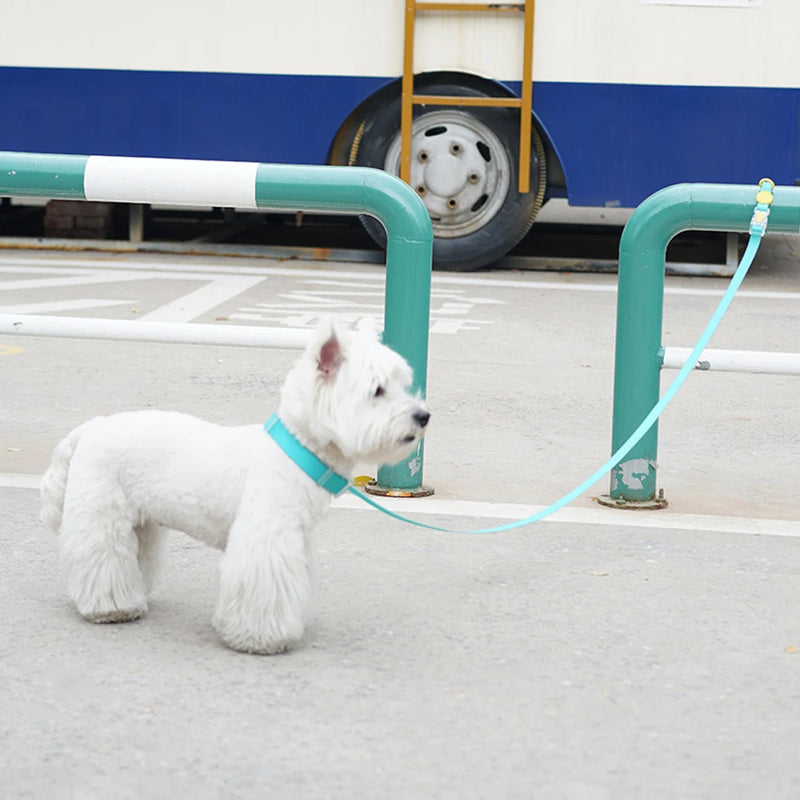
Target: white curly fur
x,y
117,483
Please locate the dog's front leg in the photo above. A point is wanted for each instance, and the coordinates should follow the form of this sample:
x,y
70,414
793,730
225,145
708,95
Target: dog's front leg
x,y
265,584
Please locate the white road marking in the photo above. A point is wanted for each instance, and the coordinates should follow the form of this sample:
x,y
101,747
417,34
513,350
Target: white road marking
x,y
63,305
568,284
581,516
19,480
302,306
217,289
344,291
327,270
198,302
81,279
662,520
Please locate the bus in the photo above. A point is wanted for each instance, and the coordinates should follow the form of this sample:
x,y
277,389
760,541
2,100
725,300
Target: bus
x,y
628,96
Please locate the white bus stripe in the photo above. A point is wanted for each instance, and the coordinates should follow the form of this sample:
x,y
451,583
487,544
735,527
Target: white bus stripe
x,y
571,40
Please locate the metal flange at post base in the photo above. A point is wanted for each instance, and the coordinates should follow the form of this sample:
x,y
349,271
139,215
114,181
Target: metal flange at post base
x,y
373,487
651,504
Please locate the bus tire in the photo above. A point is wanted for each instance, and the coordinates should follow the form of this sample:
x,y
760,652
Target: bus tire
x,y
464,167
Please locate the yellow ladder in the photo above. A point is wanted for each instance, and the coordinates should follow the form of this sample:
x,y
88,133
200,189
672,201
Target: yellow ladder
x,y
523,103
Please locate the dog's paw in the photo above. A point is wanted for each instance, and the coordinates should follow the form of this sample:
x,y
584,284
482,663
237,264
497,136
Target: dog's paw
x,y
113,605
116,615
257,635
257,642
259,648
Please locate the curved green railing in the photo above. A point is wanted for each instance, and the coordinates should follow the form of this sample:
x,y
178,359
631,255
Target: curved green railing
x,y
640,304
339,190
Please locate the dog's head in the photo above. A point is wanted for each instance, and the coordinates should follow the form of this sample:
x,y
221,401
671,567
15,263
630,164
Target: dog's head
x,y
353,395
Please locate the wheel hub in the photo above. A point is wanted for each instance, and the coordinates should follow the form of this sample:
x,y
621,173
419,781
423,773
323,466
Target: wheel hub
x,y
459,168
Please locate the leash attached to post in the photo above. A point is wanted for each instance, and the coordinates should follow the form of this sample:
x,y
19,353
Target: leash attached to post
x,y
758,228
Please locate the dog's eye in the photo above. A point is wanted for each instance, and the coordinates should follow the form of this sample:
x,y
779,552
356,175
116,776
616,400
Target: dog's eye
x,y
380,392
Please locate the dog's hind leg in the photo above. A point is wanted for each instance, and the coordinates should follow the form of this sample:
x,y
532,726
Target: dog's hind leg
x,y
101,550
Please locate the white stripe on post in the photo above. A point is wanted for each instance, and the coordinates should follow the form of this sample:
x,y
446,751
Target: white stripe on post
x,y
170,181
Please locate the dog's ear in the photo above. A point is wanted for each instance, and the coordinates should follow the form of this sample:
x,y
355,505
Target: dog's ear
x,y
327,349
330,356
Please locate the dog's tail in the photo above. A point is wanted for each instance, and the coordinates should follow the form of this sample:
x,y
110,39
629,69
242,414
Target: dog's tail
x,y
54,481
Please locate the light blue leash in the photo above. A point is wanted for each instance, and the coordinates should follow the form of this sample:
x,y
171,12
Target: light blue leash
x,y
758,228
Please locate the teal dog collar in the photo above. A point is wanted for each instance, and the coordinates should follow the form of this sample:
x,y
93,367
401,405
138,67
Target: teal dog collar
x,y
318,471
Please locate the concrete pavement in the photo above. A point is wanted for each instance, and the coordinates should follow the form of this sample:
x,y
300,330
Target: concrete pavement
x,y
600,655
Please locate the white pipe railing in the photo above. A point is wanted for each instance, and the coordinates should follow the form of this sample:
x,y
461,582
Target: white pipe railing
x,y
735,361
143,331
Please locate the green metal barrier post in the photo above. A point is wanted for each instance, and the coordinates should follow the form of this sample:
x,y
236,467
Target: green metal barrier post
x,y
640,304
339,190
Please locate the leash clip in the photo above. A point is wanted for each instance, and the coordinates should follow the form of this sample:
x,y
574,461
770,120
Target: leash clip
x,y
764,198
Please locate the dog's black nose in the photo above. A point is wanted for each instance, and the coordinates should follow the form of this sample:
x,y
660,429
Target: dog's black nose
x,y
421,418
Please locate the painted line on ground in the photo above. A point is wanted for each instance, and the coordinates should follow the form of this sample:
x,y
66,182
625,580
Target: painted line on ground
x,y
557,283
55,306
19,480
82,278
196,303
427,506
583,516
217,289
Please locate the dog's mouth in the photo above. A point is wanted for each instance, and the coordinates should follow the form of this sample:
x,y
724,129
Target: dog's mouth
x,y
421,419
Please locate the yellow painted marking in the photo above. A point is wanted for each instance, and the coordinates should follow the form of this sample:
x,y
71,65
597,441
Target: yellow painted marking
x,y
10,350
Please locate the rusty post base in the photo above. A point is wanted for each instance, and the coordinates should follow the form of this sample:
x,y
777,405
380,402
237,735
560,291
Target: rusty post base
x,y
373,487
653,504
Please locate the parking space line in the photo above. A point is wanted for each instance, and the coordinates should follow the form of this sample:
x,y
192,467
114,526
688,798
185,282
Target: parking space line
x,y
203,299
19,480
584,516
662,520
196,270
92,278
53,306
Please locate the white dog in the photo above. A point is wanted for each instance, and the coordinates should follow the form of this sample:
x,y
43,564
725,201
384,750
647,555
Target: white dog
x,y
115,483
